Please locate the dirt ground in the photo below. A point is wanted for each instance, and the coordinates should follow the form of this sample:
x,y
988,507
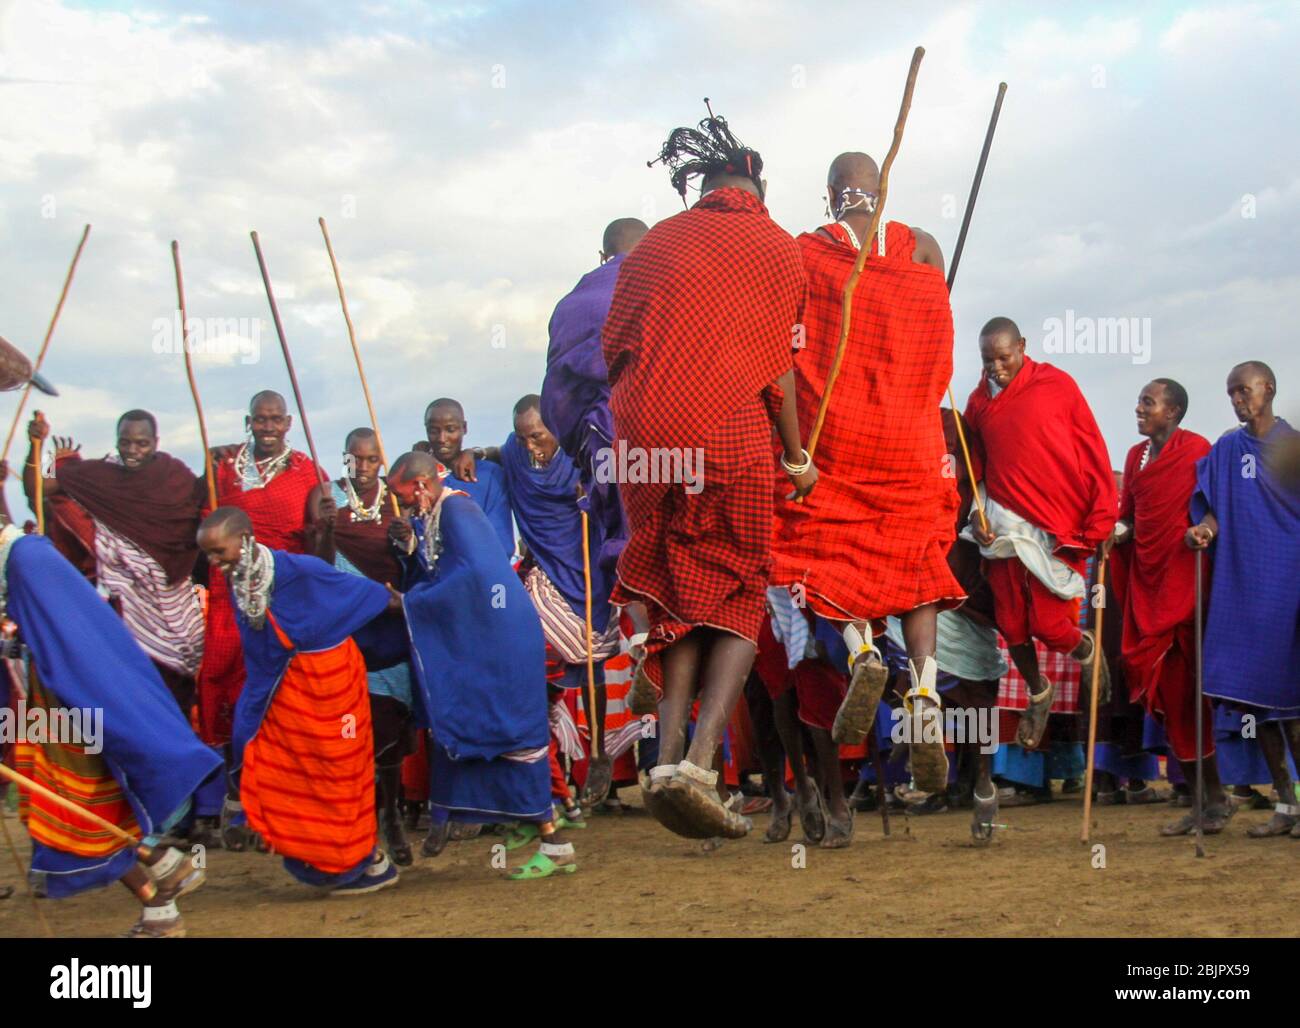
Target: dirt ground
x,y
637,879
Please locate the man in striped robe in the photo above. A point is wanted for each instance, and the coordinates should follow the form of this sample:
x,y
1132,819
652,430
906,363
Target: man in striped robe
x,y
144,505
302,744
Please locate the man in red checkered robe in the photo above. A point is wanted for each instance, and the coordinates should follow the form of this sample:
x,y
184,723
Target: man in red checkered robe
x,y
270,482
1050,500
698,345
874,539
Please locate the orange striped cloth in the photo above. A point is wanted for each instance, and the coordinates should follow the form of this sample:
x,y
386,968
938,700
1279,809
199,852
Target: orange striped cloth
x,y
76,775
308,780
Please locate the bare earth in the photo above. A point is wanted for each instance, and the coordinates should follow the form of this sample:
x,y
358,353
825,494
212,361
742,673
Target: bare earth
x,y
637,879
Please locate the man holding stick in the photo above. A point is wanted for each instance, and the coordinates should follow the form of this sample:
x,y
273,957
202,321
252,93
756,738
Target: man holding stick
x,y
873,541
698,346
1050,499
1158,615
135,766
1252,635
269,482
350,519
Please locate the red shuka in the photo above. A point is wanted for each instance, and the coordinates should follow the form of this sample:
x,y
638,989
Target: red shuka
x,y
1160,584
699,330
1045,458
873,538
279,515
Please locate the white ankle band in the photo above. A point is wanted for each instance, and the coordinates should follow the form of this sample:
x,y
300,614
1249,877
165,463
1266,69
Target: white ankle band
x,y
662,772
551,849
923,682
697,774
856,642
167,912
167,864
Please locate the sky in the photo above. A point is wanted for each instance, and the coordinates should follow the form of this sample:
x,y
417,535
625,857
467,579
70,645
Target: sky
x,y
1146,172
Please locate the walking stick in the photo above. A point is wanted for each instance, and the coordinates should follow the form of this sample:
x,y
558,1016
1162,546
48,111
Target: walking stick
x,y
288,358
189,374
1097,657
846,310
1200,713
24,782
882,800
597,743
356,353
952,276
45,345
38,500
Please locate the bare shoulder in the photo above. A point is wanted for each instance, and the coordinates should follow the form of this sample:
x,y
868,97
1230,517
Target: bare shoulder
x,y
927,249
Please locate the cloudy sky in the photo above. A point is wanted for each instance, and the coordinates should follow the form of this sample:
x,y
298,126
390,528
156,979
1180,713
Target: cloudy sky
x,y
467,157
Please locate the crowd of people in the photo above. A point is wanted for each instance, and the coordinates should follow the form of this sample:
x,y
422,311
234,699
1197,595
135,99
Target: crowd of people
x,y
727,488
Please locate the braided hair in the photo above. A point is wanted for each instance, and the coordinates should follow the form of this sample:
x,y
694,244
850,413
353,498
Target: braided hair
x,y
709,150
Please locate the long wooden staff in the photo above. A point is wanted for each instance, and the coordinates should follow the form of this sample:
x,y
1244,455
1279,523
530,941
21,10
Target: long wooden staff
x,y
1097,657
38,499
26,783
288,358
45,345
1200,701
597,743
952,276
846,310
356,353
189,374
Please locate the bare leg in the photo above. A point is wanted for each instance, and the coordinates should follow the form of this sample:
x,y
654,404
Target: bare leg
x,y
1025,657
725,670
771,752
921,631
681,663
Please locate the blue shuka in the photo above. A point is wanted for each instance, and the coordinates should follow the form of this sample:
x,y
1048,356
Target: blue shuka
x,y
489,492
1252,634
88,659
480,675
544,501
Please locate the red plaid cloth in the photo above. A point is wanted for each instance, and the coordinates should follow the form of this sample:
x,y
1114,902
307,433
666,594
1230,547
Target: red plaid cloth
x,y
279,516
873,538
1044,456
699,329
1060,668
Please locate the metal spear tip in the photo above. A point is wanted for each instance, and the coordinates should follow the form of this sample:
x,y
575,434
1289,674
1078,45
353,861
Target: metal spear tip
x,y
43,384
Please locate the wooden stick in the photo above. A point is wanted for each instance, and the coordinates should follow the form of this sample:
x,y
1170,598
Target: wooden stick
x,y
189,374
49,333
26,783
1097,657
597,743
356,353
22,874
38,500
846,311
1200,701
288,358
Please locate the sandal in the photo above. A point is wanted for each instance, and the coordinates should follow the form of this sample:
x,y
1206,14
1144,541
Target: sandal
x,y
643,697
541,866
142,929
436,841
778,828
857,714
985,813
652,795
692,794
395,842
1033,722
571,818
1285,817
1085,676
1214,819
182,880
812,817
1142,797
839,833
1109,799
521,835
600,775
234,829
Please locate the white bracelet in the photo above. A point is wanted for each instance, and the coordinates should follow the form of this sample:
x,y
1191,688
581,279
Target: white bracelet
x,y
797,469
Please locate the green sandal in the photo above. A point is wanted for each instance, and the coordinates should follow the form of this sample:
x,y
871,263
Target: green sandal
x,y
564,821
540,866
521,835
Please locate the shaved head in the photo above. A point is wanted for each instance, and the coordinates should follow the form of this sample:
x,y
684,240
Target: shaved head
x,y
445,403
267,396
1257,368
853,171
414,464
228,521
621,235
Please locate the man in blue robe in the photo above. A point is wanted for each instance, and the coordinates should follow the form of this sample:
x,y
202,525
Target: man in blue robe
x,y
480,668
141,762
1250,521
445,427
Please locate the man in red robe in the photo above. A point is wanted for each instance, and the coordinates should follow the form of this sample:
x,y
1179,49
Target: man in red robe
x,y
874,540
1050,499
1159,644
698,345
271,483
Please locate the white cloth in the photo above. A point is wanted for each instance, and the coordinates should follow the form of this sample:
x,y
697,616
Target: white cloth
x,y
789,625
1035,548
